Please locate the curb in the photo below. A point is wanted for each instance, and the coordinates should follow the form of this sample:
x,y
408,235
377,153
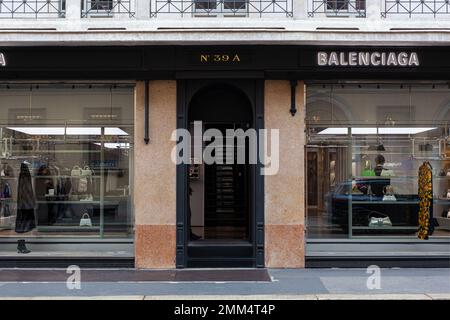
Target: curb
x,y
428,296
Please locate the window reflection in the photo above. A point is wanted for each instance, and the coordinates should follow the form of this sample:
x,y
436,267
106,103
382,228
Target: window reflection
x,y
365,145
76,141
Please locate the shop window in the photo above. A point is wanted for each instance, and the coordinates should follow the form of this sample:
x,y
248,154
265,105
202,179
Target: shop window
x,y
75,144
365,146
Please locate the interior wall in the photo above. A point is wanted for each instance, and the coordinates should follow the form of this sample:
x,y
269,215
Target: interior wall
x,y
197,198
55,103
363,102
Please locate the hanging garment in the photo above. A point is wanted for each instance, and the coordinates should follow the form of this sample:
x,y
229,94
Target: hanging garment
x,y
426,201
26,202
43,184
6,195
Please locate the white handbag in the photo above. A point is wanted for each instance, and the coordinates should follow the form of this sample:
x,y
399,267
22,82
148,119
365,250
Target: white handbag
x,y
86,171
85,220
380,222
389,197
76,171
383,221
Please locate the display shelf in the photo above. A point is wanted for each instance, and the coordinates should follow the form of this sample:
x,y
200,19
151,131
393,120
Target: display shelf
x,y
384,177
20,152
75,228
374,153
386,202
66,177
106,203
442,201
53,177
441,178
385,228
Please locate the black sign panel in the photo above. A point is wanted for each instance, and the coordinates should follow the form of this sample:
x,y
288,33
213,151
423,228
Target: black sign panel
x,y
272,61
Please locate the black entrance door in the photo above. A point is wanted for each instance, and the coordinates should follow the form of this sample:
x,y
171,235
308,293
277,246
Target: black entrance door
x,y
220,216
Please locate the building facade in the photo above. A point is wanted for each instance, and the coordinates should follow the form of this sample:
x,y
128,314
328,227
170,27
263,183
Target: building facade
x,y
98,98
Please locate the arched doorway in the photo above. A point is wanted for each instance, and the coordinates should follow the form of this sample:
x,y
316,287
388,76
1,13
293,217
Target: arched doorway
x,y
219,192
220,215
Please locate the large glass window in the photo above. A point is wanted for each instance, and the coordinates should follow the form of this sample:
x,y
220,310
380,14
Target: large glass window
x,y
365,146
66,160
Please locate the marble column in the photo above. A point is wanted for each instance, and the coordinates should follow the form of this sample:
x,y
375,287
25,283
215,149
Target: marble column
x,y
285,191
155,177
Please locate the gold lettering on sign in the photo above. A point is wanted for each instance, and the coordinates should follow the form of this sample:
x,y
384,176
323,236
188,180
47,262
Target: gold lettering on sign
x,y
220,58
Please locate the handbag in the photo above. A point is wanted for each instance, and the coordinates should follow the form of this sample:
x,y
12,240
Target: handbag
x,y
6,191
383,221
82,185
85,220
5,211
387,173
389,194
76,171
86,171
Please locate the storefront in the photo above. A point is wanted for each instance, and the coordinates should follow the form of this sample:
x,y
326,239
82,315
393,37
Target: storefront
x,y
88,134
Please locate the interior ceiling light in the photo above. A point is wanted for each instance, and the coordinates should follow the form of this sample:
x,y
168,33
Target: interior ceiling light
x,y
115,145
381,130
76,131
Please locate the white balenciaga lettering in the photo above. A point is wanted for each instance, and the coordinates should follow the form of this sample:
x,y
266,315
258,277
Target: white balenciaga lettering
x,y
2,60
368,59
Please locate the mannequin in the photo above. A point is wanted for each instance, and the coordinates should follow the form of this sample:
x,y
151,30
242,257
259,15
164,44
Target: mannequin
x,y
380,161
25,221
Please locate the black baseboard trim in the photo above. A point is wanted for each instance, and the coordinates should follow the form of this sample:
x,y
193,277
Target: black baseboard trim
x,y
60,262
382,262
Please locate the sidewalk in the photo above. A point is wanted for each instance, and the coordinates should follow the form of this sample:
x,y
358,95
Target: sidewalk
x,y
308,284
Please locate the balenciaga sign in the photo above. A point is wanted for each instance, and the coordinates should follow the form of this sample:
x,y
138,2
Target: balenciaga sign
x,y
368,59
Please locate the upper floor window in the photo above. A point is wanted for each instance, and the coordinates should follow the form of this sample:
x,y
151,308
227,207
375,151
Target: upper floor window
x,y
101,5
222,8
337,8
107,8
214,7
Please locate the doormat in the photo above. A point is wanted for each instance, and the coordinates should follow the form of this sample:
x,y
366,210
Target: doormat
x,y
107,275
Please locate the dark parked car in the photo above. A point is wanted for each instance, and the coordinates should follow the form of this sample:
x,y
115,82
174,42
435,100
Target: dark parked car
x,y
367,201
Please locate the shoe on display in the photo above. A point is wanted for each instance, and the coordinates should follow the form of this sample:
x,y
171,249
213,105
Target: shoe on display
x,y
21,247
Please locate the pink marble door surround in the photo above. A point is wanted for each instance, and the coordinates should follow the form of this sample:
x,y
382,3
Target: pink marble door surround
x,y
285,191
154,177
